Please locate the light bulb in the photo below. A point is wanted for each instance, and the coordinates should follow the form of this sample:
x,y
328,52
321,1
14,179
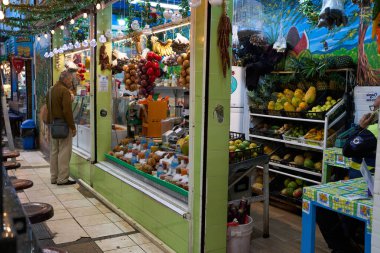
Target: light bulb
x,y
52,31
85,15
5,2
46,35
2,16
2,67
38,38
72,21
121,22
62,27
98,6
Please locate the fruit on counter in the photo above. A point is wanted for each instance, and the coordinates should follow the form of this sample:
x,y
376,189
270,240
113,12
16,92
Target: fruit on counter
x,y
290,101
310,95
297,193
184,144
297,132
287,156
308,163
330,102
131,78
275,158
293,188
318,166
274,129
184,61
299,160
315,134
268,150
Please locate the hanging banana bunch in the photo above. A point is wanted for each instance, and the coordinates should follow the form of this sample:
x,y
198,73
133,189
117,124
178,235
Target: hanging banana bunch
x,y
162,48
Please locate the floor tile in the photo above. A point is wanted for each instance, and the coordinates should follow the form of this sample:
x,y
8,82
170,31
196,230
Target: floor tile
x,y
139,238
70,196
151,248
58,190
41,193
115,243
113,217
124,226
102,230
83,211
61,214
91,220
94,201
37,187
103,208
66,230
77,203
45,199
133,249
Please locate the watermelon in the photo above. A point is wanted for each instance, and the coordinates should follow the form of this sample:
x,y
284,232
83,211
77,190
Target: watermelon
x,y
302,44
293,37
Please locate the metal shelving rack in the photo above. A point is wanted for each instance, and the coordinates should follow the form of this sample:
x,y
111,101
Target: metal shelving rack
x,y
327,123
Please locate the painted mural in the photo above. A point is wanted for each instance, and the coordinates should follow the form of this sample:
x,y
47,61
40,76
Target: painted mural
x,y
274,19
43,82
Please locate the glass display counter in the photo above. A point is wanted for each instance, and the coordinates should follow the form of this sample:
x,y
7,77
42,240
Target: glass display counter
x,y
81,113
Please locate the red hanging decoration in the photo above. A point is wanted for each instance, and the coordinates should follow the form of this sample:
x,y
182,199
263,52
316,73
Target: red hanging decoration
x,y
18,64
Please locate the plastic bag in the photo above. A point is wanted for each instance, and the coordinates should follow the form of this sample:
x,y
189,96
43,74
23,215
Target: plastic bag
x,y
332,14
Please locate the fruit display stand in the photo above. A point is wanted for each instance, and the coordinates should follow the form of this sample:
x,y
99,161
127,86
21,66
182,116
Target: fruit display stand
x,y
243,164
321,117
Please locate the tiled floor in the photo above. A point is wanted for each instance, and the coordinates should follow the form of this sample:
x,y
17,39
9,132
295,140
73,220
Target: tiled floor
x,y
81,223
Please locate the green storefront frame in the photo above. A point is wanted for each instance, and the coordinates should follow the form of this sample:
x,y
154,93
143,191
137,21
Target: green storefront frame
x,y
201,226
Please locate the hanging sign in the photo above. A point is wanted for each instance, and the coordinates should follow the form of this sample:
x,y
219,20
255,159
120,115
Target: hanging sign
x,y
18,64
103,83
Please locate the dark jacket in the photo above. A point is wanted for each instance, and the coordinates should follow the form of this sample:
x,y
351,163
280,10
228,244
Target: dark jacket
x,y
60,105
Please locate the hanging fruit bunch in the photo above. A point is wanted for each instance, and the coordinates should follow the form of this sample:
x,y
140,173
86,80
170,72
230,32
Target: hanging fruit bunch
x,y
131,77
184,62
81,70
150,70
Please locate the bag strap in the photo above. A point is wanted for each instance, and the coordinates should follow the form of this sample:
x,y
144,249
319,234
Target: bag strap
x,y
50,104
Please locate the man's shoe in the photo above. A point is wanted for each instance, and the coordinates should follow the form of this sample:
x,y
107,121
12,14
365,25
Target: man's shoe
x,y
55,182
69,182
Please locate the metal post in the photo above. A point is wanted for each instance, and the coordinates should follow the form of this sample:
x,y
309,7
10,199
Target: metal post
x,y
1,161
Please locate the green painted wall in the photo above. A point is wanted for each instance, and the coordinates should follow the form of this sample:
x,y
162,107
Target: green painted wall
x,y
167,225
80,168
103,99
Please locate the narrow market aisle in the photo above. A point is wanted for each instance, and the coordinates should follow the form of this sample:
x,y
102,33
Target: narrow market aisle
x,y
81,224
285,230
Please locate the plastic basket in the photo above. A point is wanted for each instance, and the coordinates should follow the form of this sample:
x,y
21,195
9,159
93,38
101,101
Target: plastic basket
x,y
330,140
287,137
257,110
275,112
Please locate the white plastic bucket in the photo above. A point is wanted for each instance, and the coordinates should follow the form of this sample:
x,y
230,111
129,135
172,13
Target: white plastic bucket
x,y
239,238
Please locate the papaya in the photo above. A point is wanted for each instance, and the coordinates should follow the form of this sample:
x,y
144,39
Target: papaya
x,y
310,95
299,93
289,107
278,106
303,106
271,105
296,101
308,163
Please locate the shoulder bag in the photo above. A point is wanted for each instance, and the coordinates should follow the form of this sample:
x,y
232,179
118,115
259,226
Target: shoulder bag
x,y
58,127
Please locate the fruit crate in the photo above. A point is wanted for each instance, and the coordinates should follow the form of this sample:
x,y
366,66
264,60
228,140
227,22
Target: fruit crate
x,y
320,101
286,136
289,161
275,191
330,140
242,155
269,133
257,110
275,112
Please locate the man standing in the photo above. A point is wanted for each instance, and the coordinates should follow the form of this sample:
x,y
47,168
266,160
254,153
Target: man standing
x,y
59,107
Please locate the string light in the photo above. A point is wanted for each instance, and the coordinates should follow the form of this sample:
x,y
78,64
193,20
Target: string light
x,y
46,35
2,16
72,21
52,31
38,38
6,2
62,27
85,15
98,6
